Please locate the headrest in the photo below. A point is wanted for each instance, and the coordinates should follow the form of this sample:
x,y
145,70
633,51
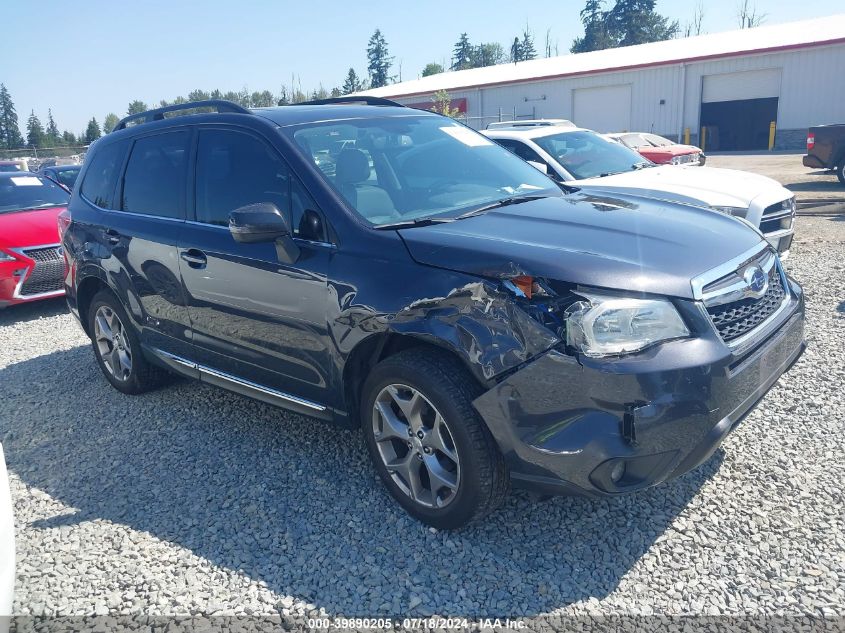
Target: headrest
x,y
352,166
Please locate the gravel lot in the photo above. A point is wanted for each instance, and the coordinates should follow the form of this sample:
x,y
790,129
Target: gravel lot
x,y
191,500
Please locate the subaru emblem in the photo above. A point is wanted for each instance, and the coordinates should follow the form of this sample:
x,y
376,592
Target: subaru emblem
x,y
756,280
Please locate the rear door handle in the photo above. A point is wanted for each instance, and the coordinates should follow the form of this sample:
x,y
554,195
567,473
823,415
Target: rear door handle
x,y
195,258
112,236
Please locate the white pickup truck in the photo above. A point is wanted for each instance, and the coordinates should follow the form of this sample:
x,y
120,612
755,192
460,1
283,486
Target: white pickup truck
x,y
589,160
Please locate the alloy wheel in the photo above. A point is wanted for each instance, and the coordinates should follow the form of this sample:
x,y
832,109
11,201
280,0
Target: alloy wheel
x,y
416,446
112,343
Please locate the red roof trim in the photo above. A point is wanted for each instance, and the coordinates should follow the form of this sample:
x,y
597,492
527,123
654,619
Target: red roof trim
x,y
786,47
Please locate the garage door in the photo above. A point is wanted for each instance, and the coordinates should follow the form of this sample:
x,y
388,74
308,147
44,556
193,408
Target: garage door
x,y
605,109
754,84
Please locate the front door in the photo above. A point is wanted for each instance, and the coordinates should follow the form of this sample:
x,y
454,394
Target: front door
x,y
253,316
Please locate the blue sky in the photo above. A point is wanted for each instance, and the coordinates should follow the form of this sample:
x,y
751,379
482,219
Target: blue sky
x,y
93,57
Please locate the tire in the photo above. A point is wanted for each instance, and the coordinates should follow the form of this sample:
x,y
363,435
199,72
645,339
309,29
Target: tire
x,y
460,474
139,376
840,172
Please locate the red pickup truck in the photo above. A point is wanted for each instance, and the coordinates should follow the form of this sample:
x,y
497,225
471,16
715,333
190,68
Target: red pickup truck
x,y
826,149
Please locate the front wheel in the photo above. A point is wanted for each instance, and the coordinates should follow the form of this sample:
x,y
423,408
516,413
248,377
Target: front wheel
x,y
429,445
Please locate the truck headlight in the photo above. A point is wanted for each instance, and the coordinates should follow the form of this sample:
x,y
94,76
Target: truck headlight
x,y
604,325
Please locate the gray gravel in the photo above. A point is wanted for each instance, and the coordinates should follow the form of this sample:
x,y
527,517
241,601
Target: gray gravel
x,y
191,500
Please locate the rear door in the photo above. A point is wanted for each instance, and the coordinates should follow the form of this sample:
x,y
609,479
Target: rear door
x,y
254,317
137,237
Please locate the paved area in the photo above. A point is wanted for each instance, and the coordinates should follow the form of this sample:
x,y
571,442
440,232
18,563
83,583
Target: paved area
x,y
191,500
811,186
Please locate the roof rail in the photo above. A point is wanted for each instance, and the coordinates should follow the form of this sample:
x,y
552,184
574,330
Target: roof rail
x,y
376,101
158,114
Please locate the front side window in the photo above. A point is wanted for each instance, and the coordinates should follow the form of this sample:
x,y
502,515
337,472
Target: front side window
x,y
154,183
235,169
102,174
589,155
397,169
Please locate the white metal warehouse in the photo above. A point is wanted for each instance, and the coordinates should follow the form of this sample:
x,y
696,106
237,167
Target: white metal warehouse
x,y
734,84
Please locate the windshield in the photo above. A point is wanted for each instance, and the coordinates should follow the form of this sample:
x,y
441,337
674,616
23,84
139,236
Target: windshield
x,y
30,192
68,176
10,167
406,169
586,154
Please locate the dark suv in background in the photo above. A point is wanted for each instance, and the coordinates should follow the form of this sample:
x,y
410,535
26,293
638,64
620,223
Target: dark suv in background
x,y
375,265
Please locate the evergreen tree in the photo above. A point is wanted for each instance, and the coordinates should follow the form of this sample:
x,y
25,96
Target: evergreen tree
x,y
283,97
35,136
216,94
92,132
527,44
10,133
352,83
336,92
263,99
378,60
109,122
68,138
516,50
52,136
462,53
136,107
628,23
636,22
432,69
596,36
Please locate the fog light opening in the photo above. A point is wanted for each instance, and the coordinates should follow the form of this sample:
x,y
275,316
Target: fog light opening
x,y
617,472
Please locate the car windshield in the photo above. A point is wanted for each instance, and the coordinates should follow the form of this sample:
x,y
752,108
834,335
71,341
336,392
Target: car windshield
x,y
9,167
68,176
28,191
658,141
586,154
411,169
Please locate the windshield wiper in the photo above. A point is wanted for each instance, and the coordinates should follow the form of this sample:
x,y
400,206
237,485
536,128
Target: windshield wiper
x,y
504,202
412,223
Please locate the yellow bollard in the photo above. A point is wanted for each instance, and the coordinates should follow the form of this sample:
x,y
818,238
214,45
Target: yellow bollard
x,y
772,128
703,138
686,136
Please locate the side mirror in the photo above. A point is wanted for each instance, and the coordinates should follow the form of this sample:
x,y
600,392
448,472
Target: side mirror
x,y
263,222
260,222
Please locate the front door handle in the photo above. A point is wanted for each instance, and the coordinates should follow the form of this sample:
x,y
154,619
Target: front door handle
x,y
195,258
112,236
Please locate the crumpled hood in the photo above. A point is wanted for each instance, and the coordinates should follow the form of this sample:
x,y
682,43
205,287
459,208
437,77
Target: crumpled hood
x,y
617,242
707,186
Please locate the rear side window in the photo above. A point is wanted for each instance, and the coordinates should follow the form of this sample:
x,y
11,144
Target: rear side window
x,y
101,175
155,183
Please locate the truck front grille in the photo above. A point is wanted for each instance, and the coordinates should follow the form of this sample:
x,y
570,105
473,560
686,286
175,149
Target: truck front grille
x,y
48,272
778,216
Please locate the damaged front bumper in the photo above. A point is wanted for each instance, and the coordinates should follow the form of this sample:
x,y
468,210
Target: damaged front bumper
x,y
599,427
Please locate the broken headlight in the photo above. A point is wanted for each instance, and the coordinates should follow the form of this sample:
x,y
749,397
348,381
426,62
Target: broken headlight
x,y
603,325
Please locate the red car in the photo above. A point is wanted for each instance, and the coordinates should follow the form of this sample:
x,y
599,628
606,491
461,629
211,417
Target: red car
x,y
660,150
31,263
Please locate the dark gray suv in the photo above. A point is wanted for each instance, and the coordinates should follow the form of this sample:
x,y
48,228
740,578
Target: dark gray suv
x,y
378,266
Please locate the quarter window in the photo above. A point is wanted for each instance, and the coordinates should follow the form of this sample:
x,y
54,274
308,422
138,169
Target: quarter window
x,y
101,175
154,183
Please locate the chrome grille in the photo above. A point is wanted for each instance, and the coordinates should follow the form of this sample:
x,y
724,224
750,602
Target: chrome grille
x,y
737,318
48,272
